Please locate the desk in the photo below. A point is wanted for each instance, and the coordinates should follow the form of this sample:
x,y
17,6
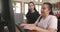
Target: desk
x,y
17,30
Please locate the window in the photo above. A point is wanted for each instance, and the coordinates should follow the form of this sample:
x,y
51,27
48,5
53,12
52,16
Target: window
x,y
26,8
40,0
17,7
37,7
40,9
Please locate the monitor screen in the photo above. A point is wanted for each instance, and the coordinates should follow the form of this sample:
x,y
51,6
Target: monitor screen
x,y
7,14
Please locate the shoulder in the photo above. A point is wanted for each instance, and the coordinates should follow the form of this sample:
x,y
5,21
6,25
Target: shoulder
x,y
52,16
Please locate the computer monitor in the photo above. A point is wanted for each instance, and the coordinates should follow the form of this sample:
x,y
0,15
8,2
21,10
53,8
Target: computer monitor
x,y
7,14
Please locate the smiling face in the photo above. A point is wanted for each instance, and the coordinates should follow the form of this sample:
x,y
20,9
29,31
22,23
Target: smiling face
x,y
45,10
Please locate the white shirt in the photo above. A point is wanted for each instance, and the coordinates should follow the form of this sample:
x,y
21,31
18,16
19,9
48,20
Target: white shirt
x,y
49,22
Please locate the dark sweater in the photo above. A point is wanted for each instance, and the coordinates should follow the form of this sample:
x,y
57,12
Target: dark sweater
x,y
32,17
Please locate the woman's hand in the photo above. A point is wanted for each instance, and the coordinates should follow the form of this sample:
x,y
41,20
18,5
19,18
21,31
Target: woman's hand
x,y
30,27
27,25
23,25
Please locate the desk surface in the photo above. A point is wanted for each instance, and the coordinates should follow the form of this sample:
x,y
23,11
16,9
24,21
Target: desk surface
x,y
17,30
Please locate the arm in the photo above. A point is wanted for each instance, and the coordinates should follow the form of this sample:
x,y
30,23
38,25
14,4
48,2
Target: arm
x,y
45,30
31,27
51,28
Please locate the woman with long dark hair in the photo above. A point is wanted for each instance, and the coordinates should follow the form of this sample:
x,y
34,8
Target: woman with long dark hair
x,y
48,22
32,14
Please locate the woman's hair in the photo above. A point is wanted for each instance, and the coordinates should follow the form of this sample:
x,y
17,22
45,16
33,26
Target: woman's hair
x,y
49,7
34,7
